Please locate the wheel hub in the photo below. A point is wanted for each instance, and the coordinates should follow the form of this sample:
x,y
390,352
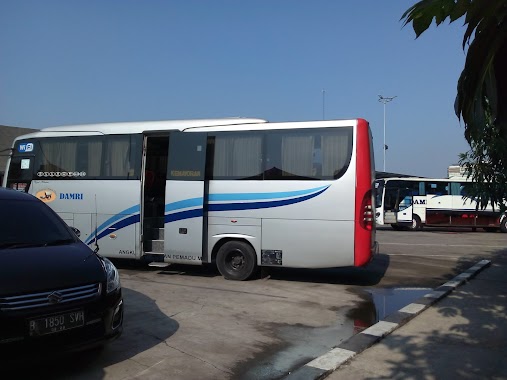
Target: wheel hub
x,y
237,261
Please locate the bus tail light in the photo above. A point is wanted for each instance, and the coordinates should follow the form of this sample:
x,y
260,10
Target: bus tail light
x,y
364,232
367,218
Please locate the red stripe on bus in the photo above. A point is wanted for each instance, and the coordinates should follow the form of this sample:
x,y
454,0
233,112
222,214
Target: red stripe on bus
x,y
364,180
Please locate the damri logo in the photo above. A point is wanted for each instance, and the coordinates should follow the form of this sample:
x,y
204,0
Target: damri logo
x,y
71,196
46,195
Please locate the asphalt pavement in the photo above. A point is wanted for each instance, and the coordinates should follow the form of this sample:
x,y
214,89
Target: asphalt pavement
x,y
456,331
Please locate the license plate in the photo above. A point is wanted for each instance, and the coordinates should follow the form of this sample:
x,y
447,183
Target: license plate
x,y
56,323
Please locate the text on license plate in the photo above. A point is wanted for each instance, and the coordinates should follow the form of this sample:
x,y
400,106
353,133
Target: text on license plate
x,y
56,323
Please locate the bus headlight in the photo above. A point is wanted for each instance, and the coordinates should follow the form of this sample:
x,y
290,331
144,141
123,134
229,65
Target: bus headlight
x,y
113,277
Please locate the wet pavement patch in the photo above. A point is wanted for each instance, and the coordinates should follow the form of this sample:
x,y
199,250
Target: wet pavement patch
x,y
300,344
386,301
378,303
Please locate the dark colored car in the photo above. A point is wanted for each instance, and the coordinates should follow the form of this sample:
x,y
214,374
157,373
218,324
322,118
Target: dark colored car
x,y
55,292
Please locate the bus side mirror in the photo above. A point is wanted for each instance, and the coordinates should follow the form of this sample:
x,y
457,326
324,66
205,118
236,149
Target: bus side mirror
x,y
76,231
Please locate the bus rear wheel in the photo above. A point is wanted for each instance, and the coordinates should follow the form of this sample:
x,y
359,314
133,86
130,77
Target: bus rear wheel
x,y
236,260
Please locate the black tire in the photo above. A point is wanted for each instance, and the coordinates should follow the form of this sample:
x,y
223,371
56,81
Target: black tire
x,y
416,223
503,225
236,260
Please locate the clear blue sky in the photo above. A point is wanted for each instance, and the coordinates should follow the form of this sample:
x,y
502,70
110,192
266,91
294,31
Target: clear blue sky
x,y
85,61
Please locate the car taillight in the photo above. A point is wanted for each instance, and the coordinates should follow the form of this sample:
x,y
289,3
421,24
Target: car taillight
x,y
367,216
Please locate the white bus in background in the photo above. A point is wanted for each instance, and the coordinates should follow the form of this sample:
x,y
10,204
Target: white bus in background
x,y
240,193
411,203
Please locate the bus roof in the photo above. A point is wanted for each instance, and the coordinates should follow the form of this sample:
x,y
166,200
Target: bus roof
x,y
197,125
143,126
280,125
424,179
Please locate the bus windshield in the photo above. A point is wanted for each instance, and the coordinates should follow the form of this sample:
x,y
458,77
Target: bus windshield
x,y
379,190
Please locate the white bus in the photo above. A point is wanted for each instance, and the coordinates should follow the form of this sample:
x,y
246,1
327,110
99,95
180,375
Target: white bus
x,y
411,203
240,193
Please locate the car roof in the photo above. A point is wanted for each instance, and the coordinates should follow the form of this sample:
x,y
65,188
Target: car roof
x,y
15,195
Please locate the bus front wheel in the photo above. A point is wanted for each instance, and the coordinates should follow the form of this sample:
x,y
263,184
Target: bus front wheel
x,y
416,223
503,224
236,260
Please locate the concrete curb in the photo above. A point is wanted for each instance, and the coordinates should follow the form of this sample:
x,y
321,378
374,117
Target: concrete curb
x,y
329,362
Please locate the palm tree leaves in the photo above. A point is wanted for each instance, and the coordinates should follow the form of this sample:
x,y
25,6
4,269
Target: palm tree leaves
x,y
421,14
485,35
481,100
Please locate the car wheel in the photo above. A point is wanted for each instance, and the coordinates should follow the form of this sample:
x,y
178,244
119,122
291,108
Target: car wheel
x,y
236,260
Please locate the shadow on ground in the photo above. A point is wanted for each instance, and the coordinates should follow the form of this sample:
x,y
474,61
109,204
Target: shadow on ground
x,y
474,346
368,275
144,327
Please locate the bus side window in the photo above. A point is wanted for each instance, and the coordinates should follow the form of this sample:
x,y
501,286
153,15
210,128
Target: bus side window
x,y
437,188
457,188
422,190
235,155
466,189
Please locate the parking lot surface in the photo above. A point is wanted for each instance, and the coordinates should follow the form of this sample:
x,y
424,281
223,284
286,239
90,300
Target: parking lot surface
x,y
188,322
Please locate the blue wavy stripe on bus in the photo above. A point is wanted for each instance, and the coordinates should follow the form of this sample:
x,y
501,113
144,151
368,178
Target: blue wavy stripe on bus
x,y
175,216
193,202
133,219
174,211
257,196
183,215
259,205
107,224
186,203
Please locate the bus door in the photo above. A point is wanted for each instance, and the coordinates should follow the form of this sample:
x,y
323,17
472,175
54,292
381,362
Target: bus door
x,y
185,219
379,201
390,205
404,209
155,150
397,205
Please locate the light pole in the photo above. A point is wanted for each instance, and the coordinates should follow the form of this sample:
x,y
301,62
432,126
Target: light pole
x,y
384,100
323,104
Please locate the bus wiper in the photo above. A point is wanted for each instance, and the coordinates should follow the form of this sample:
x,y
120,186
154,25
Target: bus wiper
x,y
59,242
